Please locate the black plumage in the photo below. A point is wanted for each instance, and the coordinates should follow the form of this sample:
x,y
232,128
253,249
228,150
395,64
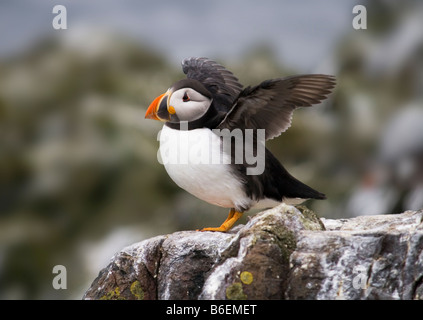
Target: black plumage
x,y
212,100
220,82
268,106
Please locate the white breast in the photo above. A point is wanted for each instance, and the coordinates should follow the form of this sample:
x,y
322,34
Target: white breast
x,y
193,159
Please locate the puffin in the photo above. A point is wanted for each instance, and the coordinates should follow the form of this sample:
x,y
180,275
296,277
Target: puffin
x,y
200,111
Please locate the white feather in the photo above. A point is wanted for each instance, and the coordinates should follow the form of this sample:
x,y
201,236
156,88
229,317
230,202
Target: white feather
x,y
194,161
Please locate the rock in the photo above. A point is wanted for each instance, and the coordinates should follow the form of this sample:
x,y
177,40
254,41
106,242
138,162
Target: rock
x,y
368,257
281,253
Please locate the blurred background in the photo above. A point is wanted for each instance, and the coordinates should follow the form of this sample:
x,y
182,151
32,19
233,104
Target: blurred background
x,y
79,176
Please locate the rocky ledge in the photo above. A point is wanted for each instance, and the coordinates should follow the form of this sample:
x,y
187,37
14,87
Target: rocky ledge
x,y
281,253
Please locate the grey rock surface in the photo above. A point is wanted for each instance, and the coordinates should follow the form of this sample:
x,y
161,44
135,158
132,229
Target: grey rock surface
x,y
281,253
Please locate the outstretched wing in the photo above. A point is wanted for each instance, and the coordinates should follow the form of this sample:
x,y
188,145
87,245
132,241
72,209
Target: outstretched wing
x,y
270,105
222,84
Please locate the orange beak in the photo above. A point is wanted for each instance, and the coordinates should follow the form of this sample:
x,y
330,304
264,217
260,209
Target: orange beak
x,y
154,106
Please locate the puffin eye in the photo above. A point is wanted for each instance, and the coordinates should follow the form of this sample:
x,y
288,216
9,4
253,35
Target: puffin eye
x,y
185,98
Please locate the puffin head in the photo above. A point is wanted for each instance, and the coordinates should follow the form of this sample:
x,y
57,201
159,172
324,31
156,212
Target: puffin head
x,y
186,100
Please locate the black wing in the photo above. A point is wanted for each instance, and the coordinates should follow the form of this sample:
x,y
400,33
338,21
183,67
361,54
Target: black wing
x,y
221,83
270,105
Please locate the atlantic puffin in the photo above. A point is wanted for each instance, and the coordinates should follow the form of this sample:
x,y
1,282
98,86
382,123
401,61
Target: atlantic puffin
x,y
210,100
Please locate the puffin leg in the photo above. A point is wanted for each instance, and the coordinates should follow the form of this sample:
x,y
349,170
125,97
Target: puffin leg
x,y
233,217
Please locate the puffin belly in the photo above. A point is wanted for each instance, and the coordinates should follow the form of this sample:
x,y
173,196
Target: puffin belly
x,y
194,161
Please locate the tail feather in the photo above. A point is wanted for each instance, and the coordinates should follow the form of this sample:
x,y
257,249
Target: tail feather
x,y
275,183
293,188
285,185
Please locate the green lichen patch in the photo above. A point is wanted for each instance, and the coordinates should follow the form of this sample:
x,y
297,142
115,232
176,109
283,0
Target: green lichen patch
x,y
310,220
235,292
113,295
246,277
137,290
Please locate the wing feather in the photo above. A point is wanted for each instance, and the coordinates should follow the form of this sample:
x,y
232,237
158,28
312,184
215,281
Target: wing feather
x,y
270,105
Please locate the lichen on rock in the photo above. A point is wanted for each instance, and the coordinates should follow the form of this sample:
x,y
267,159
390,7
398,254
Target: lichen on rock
x,y
281,253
